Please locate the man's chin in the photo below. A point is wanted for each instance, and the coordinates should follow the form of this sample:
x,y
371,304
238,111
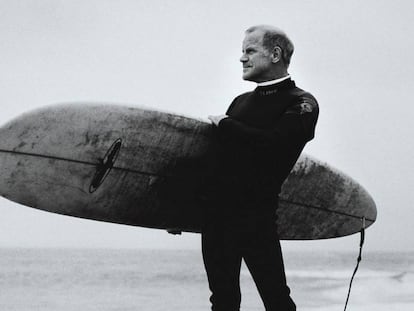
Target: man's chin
x,y
247,77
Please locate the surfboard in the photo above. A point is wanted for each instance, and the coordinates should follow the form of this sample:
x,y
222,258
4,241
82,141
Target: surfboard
x,y
143,167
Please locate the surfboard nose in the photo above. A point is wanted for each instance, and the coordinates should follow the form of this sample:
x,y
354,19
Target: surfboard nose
x,y
10,164
31,145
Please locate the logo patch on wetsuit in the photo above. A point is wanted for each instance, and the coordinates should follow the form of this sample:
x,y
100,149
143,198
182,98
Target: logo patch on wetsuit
x,y
305,106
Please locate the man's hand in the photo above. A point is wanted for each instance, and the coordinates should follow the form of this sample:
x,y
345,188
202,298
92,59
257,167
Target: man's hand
x,y
217,119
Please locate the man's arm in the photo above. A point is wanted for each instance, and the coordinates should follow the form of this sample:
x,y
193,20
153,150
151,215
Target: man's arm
x,y
296,124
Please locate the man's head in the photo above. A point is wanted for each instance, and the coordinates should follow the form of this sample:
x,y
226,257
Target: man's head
x,y
266,53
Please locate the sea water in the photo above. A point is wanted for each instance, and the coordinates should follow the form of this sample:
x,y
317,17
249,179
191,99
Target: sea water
x,y
115,280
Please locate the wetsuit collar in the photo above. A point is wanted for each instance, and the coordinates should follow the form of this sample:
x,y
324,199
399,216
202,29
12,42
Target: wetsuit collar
x,y
271,82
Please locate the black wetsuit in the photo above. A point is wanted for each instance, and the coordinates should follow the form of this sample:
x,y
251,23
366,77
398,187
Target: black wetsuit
x,y
259,142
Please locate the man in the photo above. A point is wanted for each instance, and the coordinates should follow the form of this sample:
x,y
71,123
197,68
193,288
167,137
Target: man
x,y
260,138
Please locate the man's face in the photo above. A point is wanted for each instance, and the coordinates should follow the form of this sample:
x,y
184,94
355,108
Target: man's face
x,y
256,60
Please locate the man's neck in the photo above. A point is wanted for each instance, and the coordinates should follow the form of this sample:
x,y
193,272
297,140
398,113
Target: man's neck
x,y
271,82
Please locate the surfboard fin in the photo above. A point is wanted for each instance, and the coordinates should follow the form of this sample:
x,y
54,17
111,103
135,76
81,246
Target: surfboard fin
x,y
105,165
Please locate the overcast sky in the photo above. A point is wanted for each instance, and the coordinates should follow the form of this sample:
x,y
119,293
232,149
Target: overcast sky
x,y
183,56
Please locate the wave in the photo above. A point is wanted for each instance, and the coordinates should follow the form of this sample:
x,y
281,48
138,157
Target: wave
x,y
345,274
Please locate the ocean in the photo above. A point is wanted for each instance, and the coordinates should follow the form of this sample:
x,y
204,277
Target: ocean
x,y
123,280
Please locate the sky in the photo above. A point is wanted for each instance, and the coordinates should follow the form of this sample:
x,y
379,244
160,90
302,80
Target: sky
x,y
183,57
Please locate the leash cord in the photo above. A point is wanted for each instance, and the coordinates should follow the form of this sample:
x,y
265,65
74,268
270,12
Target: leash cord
x,y
361,243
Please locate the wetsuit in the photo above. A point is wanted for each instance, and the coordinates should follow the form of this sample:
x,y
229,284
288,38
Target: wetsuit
x,y
259,143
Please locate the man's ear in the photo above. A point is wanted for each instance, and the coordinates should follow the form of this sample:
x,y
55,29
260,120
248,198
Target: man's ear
x,y
276,54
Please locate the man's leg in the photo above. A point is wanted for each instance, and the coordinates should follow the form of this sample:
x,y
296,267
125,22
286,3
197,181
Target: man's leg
x,y
222,262
263,256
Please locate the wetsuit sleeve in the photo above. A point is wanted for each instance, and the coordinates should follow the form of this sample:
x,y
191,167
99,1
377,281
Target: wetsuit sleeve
x,y
297,124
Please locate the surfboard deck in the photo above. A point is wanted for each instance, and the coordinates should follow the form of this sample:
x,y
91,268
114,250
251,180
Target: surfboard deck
x,y
143,167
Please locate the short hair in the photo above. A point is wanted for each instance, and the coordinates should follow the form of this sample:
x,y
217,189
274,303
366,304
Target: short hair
x,y
272,37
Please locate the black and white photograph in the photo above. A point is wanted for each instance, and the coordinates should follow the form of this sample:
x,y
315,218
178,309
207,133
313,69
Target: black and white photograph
x,y
217,155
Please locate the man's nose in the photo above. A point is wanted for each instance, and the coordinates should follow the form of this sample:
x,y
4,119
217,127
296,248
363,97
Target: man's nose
x,y
244,58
